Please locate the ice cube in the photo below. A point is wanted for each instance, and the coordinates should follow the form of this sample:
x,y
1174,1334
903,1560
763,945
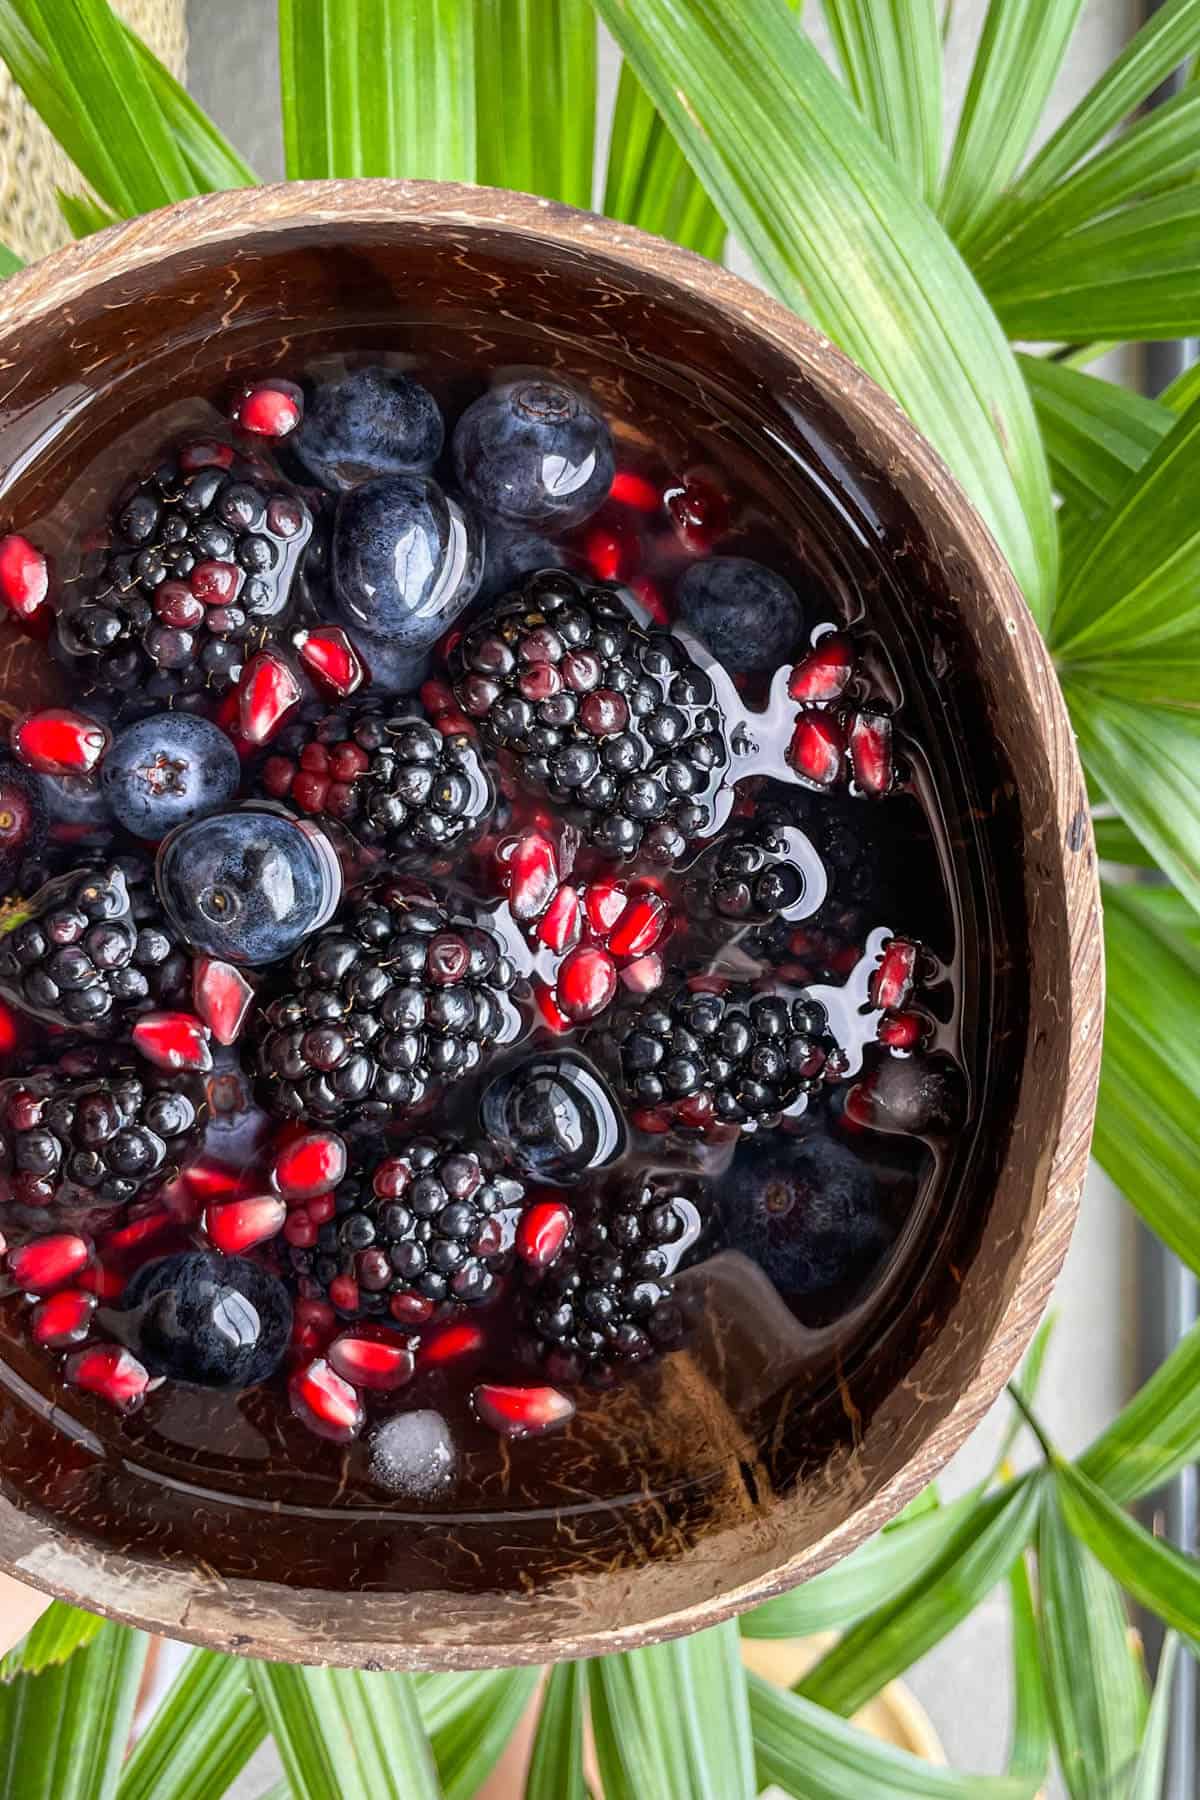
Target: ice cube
x,y
413,1453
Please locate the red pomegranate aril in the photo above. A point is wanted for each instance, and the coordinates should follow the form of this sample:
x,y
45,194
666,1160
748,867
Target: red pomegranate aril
x,y
649,595
901,1030
216,583
267,693
127,1239
211,1181
653,1120
604,712
449,1342
437,697
111,1372
644,975
173,1040
269,409
60,742
825,672
10,1030
696,1111
542,1231
343,1291
586,983
48,1262
871,752
102,1280
326,1403
519,1412
454,724
532,876
816,749
372,1358
560,925
640,925
63,1320
551,1013
605,901
698,510
222,996
611,553
331,659
892,982
630,489
310,1165
24,582
240,1224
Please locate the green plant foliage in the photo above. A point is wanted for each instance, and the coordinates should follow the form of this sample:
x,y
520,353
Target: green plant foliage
x,y
536,60
59,1632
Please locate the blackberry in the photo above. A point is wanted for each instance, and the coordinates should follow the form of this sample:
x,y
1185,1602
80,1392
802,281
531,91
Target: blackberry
x,y
755,874
385,772
433,1223
70,1141
610,1297
199,566
611,719
734,1057
90,948
385,1008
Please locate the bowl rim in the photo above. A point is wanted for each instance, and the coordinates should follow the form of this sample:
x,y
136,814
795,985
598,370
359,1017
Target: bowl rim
x,y
252,1617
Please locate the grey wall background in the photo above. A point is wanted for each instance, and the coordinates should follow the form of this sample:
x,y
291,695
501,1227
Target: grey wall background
x,y
234,73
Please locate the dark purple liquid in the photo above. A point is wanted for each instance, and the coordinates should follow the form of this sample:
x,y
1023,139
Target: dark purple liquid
x,y
771,1386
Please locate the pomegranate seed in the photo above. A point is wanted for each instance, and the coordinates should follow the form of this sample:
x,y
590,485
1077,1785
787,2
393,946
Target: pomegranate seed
x,y
173,1040
652,1120
60,742
698,510
532,876
450,1342
110,1371
640,925
824,673
215,582
310,1165
604,712
321,1208
343,1291
129,1238
411,1309
816,749
634,490
63,1320
212,1181
900,1030
437,697
650,596
561,923
269,409
267,693
542,1232
548,1007
24,582
205,453
454,724
372,1358
605,902
518,1412
222,996
325,1403
696,1111
331,659
612,554
586,983
871,752
240,1224
48,1262
892,981
644,975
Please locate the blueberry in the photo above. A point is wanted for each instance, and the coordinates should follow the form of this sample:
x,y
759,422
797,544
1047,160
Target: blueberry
x,y
208,1320
406,560
513,552
247,886
534,452
745,614
392,670
168,769
373,422
78,802
806,1210
553,1118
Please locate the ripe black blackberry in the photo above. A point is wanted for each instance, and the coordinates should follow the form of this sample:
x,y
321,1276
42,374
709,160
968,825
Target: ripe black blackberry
x,y
199,566
751,876
734,1057
91,948
609,718
396,1000
610,1297
435,1222
385,772
78,1142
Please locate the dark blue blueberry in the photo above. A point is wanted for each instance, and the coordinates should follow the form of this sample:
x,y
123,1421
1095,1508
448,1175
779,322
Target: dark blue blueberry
x,y
392,670
749,617
405,559
209,1320
553,1118
513,552
247,886
534,452
373,422
168,769
80,803
806,1210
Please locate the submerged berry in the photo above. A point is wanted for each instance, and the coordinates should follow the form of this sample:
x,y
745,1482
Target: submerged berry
x,y
534,452
520,1412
